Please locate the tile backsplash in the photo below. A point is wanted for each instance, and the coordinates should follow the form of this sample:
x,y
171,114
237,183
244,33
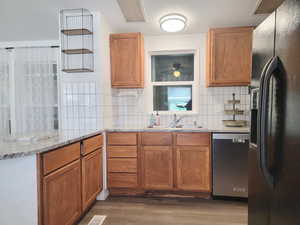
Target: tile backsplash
x,y
80,107
129,110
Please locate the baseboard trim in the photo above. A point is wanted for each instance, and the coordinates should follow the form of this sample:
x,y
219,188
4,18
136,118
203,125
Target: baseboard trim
x,y
103,195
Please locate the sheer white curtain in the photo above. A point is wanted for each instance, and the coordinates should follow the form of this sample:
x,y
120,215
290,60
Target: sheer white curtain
x,y
35,74
4,93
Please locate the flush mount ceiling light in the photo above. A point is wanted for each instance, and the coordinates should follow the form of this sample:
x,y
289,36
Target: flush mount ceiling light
x,y
172,22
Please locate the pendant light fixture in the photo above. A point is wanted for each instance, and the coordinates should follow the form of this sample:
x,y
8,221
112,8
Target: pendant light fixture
x,y
173,22
176,70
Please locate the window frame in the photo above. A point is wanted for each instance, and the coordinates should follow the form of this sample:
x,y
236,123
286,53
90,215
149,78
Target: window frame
x,y
195,84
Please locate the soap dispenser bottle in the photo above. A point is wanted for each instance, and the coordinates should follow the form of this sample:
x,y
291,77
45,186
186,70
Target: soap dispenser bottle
x,y
152,121
157,119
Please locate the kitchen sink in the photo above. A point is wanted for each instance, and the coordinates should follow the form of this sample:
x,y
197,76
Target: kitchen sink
x,y
177,128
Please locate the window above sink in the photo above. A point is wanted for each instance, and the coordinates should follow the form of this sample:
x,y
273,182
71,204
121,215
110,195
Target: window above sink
x,y
174,81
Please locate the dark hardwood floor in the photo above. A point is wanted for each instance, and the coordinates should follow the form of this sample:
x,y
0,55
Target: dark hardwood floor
x,y
162,211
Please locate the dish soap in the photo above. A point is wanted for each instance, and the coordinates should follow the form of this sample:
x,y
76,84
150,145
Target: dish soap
x,y
152,121
157,119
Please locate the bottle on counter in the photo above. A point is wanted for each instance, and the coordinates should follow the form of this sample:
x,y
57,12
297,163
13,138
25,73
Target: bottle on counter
x,y
157,119
152,120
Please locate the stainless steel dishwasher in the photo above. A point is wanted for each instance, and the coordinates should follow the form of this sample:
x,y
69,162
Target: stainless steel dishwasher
x,y
230,164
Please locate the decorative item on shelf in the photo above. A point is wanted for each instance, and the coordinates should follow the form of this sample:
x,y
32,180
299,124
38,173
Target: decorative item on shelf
x,y
77,42
234,111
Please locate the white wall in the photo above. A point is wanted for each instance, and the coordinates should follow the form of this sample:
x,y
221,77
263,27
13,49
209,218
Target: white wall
x,y
102,67
74,94
83,100
130,110
18,191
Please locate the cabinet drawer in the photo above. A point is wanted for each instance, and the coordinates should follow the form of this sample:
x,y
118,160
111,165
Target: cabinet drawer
x,y
91,144
156,138
60,157
121,138
122,165
203,148
156,148
193,139
122,151
122,180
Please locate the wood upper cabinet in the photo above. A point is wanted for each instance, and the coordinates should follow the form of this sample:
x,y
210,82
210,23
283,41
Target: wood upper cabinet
x,y
229,56
193,168
157,166
91,177
127,60
62,195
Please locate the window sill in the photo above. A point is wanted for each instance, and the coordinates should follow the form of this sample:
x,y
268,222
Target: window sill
x,y
190,113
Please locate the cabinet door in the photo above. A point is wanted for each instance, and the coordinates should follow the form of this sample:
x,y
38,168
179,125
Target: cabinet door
x,y
91,177
229,56
62,195
193,168
157,164
127,68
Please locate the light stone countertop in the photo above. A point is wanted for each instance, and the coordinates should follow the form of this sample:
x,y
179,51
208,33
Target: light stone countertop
x,y
14,149
162,129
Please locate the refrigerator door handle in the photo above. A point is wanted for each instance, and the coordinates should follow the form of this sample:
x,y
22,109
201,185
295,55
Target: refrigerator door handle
x,y
259,115
264,122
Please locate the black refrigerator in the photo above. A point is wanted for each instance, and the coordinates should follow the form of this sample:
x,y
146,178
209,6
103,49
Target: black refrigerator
x,y
274,155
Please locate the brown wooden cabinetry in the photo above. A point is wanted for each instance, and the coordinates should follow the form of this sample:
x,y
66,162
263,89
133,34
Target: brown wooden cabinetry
x,y
69,181
157,160
127,60
229,56
157,167
193,162
122,152
60,157
91,177
193,168
62,195
171,162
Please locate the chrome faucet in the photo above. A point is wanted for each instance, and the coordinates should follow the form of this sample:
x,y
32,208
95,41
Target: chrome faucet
x,y
175,121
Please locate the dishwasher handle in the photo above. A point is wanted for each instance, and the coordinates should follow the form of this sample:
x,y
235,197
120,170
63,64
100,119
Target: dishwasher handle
x,y
240,138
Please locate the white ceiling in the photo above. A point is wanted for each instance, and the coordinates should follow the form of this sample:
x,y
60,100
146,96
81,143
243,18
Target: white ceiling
x,y
38,19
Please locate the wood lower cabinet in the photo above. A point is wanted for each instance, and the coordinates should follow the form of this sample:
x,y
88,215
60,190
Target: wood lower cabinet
x,y
122,180
229,56
151,162
193,168
157,167
193,162
123,160
122,139
91,177
122,165
62,195
70,178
